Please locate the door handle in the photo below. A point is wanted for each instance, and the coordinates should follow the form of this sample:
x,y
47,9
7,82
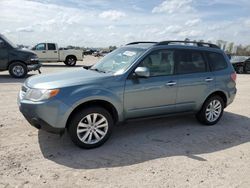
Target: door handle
x,y
171,83
43,51
209,79
55,51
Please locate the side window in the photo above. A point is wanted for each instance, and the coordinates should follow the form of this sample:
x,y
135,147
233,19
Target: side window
x,y
189,61
51,46
159,63
40,47
216,61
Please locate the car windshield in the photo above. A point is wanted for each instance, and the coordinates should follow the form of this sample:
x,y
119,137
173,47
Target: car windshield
x,y
118,61
9,42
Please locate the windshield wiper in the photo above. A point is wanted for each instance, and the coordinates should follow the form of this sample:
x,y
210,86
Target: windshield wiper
x,y
97,70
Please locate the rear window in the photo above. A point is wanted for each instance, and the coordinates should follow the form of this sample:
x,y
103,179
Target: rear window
x,y
189,61
51,46
216,61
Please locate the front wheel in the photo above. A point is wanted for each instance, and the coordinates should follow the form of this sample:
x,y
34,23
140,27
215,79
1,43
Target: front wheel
x,y
90,127
211,111
18,70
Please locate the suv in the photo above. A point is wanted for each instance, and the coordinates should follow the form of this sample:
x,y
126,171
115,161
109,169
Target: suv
x,y
141,79
17,61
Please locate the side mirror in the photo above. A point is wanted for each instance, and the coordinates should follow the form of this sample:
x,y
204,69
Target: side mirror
x,y
142,72
2,44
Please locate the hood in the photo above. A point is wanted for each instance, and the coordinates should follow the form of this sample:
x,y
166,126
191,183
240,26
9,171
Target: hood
x,y
78,76
25,50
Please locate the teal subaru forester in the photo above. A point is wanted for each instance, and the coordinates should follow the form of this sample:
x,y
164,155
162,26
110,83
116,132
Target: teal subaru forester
x,y
138,80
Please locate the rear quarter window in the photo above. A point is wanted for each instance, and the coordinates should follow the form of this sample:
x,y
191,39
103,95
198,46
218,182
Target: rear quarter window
x,y
216,61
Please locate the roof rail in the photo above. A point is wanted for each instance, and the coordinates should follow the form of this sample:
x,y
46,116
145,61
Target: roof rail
x,y
142,42
200,44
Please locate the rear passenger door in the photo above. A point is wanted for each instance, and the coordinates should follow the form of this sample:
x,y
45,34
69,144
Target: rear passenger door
x,y
194,79
52,52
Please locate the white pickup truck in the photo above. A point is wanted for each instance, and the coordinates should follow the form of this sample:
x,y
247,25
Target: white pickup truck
x,y
49,52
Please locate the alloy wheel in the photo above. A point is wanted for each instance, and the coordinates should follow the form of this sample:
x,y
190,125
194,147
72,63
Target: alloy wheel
x,y
92,128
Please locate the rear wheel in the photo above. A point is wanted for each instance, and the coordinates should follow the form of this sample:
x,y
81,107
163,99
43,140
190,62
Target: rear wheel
x,y
18,70
211,110
90,127
70,61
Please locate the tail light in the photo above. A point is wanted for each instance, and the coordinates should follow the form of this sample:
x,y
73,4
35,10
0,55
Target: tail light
x,y
234,76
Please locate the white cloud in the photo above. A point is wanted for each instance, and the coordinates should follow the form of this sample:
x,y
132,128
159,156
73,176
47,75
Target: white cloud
x,y
112,15
173,6
191,23
190,34
27,29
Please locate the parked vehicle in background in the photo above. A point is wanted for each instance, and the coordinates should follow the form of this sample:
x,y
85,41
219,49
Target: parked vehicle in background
x,y
139,80
100,53
241,65
89,52
17,61
49,52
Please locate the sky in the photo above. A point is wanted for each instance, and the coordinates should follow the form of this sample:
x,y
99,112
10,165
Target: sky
x,y
100,23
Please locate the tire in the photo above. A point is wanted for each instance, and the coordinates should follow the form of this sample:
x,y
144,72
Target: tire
x,y
84,132
217,104
240,70
18,70
70,61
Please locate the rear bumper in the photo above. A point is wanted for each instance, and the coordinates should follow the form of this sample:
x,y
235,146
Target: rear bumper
x,y
231,96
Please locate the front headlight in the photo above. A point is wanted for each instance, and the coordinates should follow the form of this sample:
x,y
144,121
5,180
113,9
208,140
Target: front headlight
x,y
34,58
40,94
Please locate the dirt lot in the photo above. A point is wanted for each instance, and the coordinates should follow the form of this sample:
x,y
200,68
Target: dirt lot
x,y
169,152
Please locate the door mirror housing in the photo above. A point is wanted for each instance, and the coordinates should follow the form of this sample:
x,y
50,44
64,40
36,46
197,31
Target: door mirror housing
x,y
142,72
2,44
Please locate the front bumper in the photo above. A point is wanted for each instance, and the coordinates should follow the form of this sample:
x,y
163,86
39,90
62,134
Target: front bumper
x,y
41,124
50,115
35,66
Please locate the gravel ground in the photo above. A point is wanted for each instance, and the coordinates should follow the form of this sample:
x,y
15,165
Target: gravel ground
x,y
167,152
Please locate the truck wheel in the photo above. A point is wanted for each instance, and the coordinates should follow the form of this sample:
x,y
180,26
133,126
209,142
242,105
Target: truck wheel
x,y
18,70
240,70
70,61
90,127
211,110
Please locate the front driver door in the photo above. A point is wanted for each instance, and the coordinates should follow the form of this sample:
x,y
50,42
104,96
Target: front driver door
x,y
40,50
156,94
3,55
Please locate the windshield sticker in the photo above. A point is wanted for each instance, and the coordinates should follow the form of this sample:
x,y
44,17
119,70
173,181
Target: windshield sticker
x,y
129,53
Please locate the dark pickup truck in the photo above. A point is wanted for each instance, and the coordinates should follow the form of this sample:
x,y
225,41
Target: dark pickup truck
x,y
17,61
241,66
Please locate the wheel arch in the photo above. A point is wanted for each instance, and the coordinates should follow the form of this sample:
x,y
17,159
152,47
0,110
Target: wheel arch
x,y
222,94
16,61
100,103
